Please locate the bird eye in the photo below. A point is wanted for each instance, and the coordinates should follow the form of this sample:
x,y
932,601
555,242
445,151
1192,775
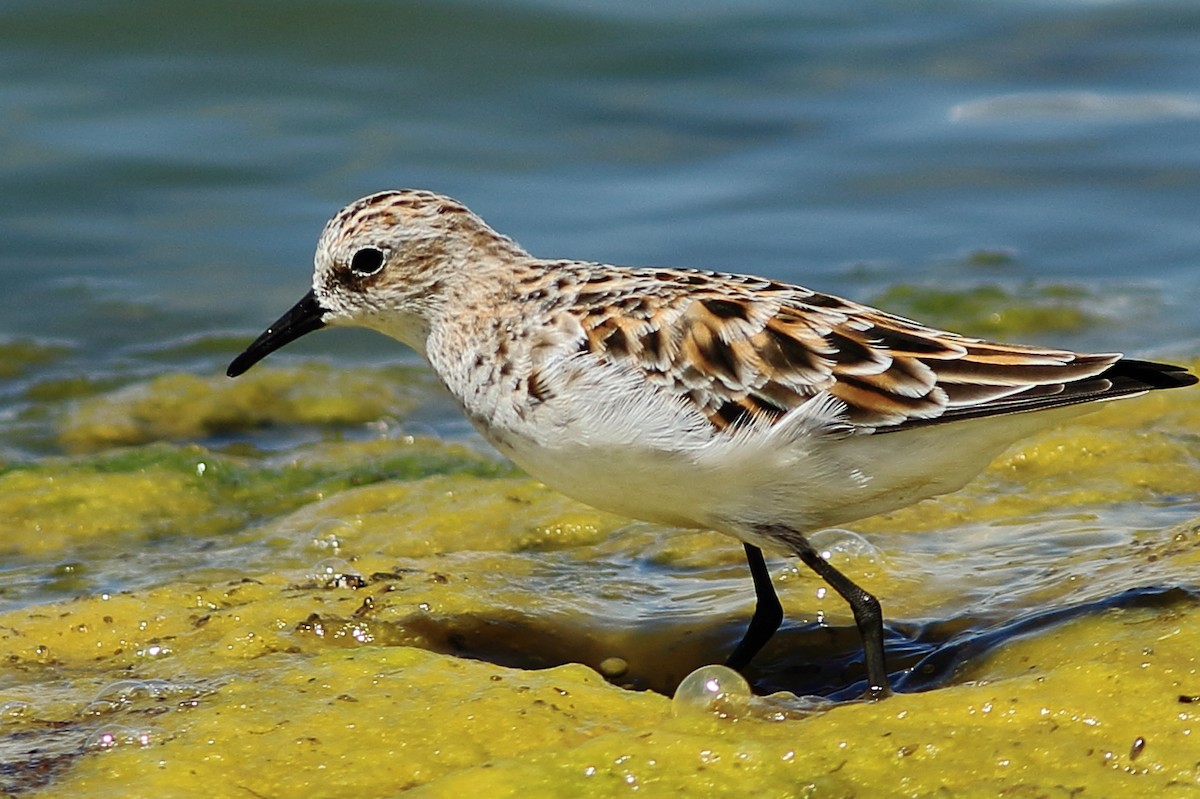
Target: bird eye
x,y
367,261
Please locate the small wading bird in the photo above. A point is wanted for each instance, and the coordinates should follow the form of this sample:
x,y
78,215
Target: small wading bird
x,y
689,398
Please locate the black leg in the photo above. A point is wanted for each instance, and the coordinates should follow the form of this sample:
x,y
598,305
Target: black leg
x,y
868,615
768,613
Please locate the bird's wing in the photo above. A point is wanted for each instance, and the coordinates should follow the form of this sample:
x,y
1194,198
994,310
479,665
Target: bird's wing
x,y
749,350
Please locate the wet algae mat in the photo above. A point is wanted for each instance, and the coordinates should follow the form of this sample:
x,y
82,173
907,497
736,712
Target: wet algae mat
x,y
368,614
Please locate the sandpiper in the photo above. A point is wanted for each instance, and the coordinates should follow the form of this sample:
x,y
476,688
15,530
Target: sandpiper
x,y
692,398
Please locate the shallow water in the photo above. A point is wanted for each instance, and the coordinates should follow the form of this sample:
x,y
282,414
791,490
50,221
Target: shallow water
x,y
1022,170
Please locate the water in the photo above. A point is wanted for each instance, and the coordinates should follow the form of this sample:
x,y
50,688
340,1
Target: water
x,y
167,168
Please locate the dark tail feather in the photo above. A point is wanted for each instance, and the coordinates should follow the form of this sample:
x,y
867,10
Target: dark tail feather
x,y
1129,375
1124,378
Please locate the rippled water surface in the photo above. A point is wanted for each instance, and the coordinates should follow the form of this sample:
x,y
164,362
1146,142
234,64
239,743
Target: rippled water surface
x,y
167,167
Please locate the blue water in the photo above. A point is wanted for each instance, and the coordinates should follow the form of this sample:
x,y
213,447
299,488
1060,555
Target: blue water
x,y
166,167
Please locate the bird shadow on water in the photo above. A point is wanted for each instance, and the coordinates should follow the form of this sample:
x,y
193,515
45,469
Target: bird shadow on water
x,y
925,657
805,660
939,665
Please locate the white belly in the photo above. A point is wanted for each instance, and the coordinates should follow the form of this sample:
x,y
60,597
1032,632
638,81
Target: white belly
x,y
606,436
804,482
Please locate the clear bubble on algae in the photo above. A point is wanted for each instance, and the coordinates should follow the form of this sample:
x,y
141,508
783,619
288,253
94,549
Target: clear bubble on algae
x,y
15,709
712,690
336,573
110,736
330,533
721,691
124,693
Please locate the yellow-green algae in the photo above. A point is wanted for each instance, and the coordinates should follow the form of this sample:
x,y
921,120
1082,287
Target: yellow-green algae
x,y
183,406
282,682
990,310
17,355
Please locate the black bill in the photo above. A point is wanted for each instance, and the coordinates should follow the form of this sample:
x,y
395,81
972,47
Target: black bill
x,y
304,317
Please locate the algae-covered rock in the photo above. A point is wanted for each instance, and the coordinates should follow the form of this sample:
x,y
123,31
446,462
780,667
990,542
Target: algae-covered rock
x,y
396,614
214,685
178,406
119,498
42,512
991,310
17,355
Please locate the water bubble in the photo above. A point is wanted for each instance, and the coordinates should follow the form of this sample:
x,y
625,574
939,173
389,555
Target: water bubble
x,y
712,690
123,693
336,573
836,544
153,651
161,689
68,569
99,707
110,736
331,533
15,709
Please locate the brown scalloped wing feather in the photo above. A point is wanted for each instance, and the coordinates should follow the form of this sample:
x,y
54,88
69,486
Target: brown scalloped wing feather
x,y
745,355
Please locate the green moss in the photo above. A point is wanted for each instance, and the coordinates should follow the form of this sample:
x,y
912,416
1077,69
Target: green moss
x,y
991,311
990,258
184,407
122,496
68,388
17,355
